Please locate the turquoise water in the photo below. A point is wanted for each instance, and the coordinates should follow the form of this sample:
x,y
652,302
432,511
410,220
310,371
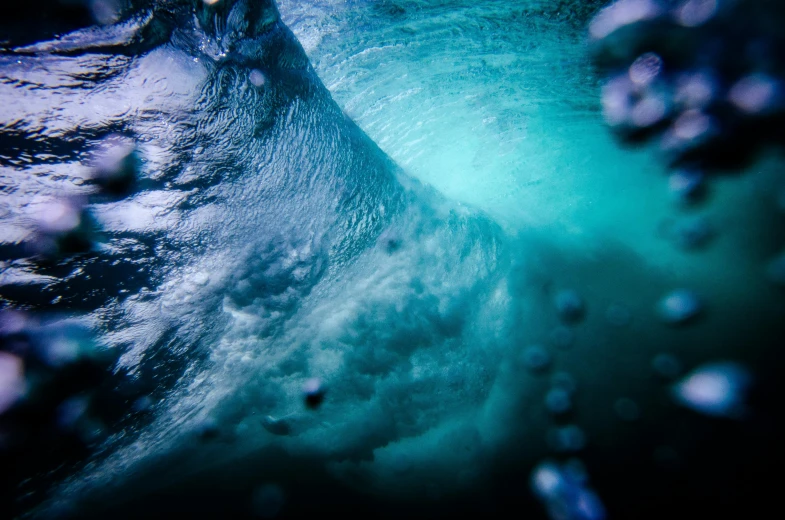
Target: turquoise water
x,y
394,206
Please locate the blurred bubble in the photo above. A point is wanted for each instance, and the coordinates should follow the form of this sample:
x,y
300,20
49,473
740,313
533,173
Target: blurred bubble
x,y
679,306
547,480
536,358
622,13
690,130
105,11
60,351
617,100
207,429
116,165
58,216
12,380
692,233
716,389
695,90
12,322
754,94
61,227
558,401
649,110
63,342
588,506
314,392
569,305
645,69
570,438
693,13
692,125
686,186
565,494
257,78
267,500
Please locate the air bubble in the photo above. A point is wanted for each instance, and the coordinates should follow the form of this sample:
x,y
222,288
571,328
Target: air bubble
x,y
536,358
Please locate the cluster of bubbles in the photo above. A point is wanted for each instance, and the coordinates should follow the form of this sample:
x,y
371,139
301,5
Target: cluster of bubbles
x,y
564,490
715,389
63,226
705,77
48,372
54,402
56,398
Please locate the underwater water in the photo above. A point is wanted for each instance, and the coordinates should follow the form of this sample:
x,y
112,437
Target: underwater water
x,y
381,258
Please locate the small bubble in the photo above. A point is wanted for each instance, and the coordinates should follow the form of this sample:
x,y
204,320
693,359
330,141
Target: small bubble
x,y
692,125
620,14
693,13
60,351
256,77
105,11
536,358
617,100
679,307
568,438
207,430
558,401
58,216
754,94
692,233
648,111
686,186
116,165
569,305
547,480
716,389
645,69
314,392
12,380
695,90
